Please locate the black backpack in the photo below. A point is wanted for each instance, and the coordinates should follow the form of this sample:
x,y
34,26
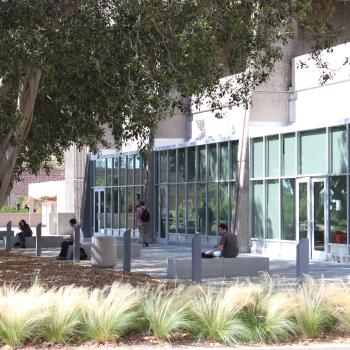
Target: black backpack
x,y
145,215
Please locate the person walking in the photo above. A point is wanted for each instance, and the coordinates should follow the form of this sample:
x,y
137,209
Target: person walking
x,y
143,218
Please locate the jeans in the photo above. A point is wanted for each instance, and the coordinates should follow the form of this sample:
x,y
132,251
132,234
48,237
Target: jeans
x,y
22,237
143,228
64,248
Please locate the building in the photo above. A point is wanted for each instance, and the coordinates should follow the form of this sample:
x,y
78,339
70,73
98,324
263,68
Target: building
x,y
298,166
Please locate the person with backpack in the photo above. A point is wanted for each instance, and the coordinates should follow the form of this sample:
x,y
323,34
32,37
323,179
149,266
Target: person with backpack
x,y
143,217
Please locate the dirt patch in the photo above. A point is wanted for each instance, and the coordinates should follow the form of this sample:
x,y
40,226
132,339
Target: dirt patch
x,y
20,270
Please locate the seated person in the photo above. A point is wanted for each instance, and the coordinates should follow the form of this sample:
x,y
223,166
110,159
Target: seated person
x,y
228,246
25,231
68,240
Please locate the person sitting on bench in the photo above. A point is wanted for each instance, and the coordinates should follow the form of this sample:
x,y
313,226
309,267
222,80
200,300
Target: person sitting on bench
x,y
68,240
26,231
228,246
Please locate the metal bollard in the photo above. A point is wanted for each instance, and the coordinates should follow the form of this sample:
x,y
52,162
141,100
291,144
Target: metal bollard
x,y
76,244
127,251
9,237
302,263
38,240
197,258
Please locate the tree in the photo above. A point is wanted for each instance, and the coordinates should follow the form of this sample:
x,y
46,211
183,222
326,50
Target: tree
x,y
70,68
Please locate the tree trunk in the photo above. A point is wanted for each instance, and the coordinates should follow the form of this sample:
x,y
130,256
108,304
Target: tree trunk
x,y
240,213
11,147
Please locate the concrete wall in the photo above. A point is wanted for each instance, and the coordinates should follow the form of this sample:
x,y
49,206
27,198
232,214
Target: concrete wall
x,y
33,219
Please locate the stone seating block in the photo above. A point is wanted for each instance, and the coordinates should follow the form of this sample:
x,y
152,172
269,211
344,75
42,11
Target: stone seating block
x,y
47,241
247,266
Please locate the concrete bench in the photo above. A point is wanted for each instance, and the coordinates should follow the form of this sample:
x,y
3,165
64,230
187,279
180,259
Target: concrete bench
x,y
248,266
46,241
135,250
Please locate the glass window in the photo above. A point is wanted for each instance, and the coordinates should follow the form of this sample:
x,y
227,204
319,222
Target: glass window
x,y
163,178
191,164
138,170
201,212
272,209
130,170
116,171
172,208
288,155
102,210
234,155
338,209
288,209
115,208
108,207
181,172
231,187
224,161
212,162
313,152
100,174
163,210
258,157
272,151
172,166
109,174
258,210
138,195
339,150
202,163
131,208
191,208
181,208
224,210
212,209
122,207
96,209
122,170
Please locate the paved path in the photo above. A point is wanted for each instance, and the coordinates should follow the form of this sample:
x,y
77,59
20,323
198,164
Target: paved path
x,y
153,261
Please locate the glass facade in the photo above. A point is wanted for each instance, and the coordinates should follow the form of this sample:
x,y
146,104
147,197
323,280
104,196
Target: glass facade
x,y
199,190
299,184
117,187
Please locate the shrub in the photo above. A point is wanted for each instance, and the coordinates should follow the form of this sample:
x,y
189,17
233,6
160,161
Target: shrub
x,y
165,312
111,312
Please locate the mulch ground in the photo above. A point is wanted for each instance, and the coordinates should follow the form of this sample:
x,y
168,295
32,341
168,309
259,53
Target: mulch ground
x,y
22,271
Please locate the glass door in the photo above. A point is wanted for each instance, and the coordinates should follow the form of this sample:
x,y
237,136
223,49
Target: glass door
x,y
99,211
312,214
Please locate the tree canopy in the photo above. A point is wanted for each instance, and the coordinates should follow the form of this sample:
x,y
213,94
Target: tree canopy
x,y
70,68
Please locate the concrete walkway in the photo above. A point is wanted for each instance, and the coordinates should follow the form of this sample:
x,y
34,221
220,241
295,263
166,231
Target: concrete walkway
x,y
153,261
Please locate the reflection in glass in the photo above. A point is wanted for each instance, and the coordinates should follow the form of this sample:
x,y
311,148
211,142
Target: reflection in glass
x,y
234,154
258,157
191,205
312,162
96,209
319,215
172,208
224,211
109,175
272,145
116,171
272,209
181,208
122,207
338,209
303,217
102,210
122,170
100,172
224,161
163,164
181,172
212,162
339,150
212,209
115,208
137,167
258,210
172,166
138,195
191,153
202,163
201,212
108,207
163,210
288,155
288,209
130,170
131,208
